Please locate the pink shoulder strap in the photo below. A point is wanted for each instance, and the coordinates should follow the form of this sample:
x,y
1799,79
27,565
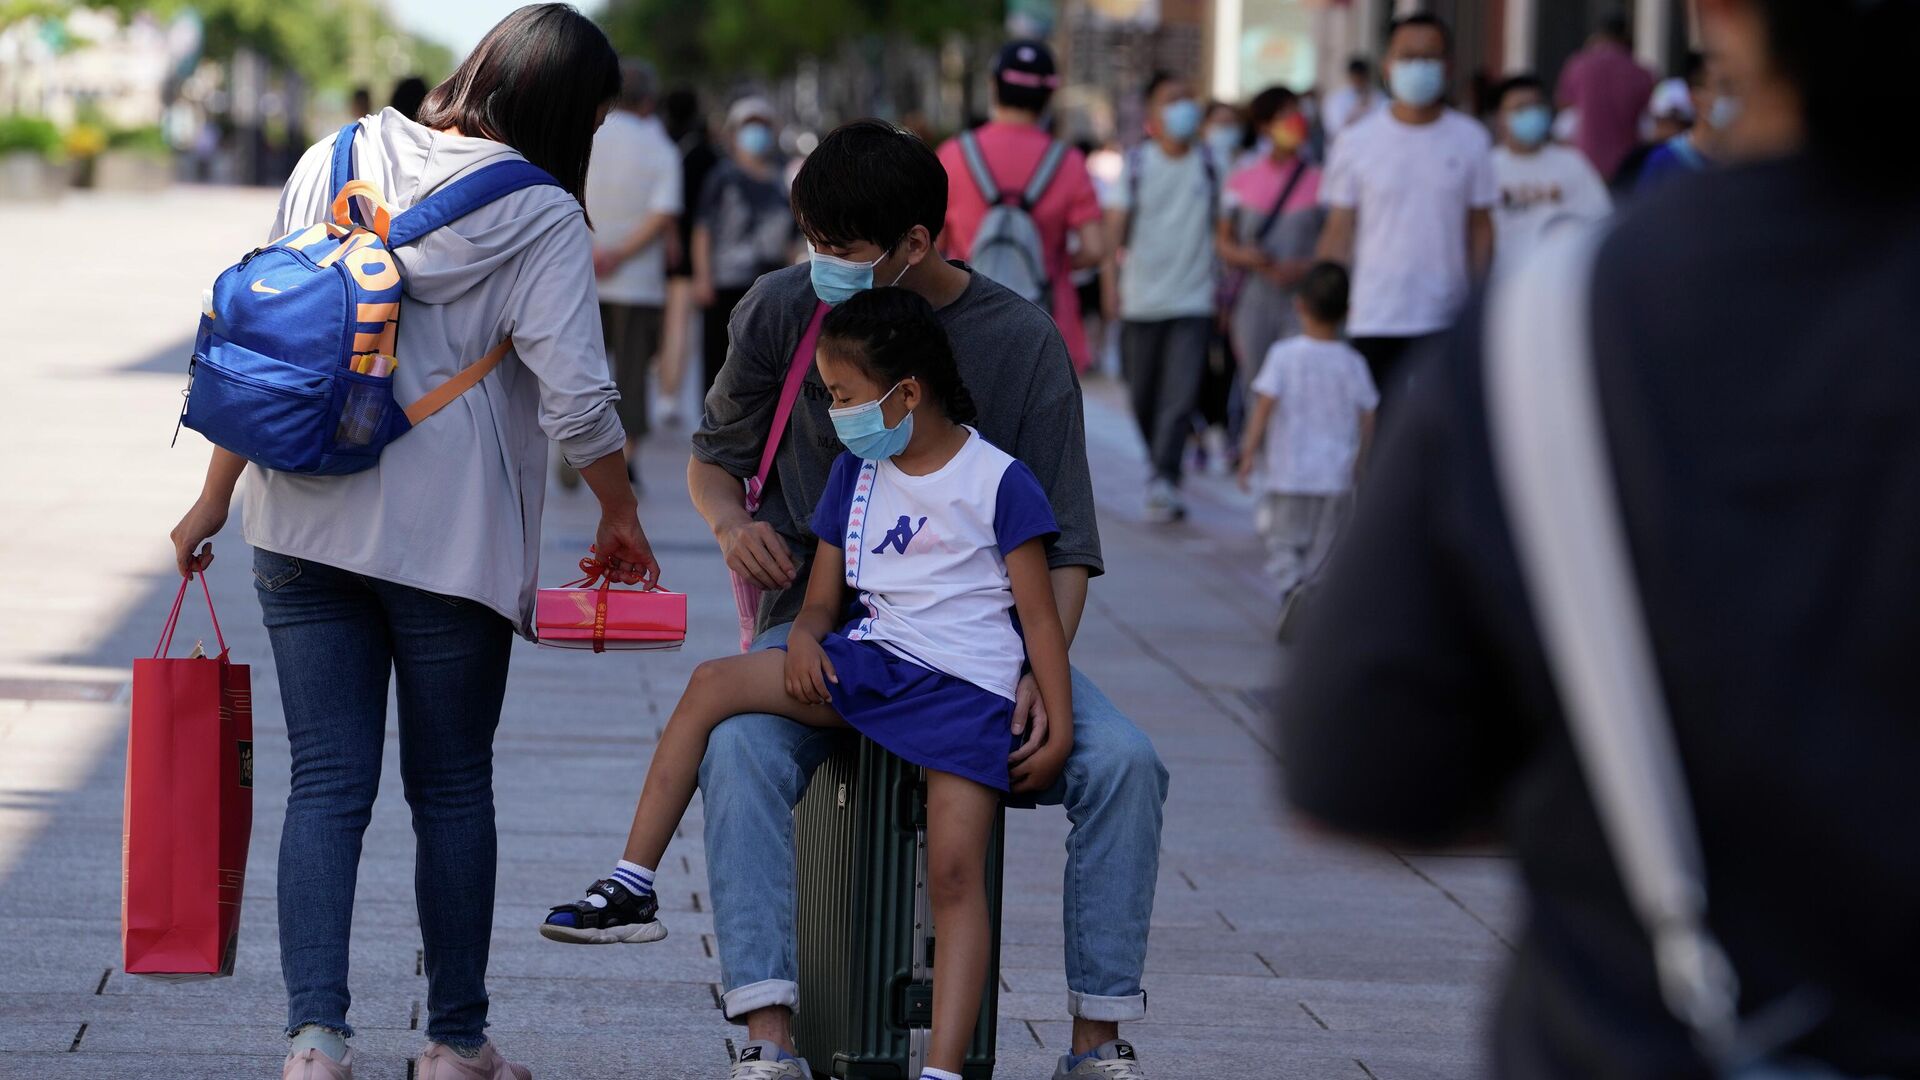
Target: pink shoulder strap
x,y
789,394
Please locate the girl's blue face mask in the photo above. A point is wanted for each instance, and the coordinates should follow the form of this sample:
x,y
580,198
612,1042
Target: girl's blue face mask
x,y
863,429
836,279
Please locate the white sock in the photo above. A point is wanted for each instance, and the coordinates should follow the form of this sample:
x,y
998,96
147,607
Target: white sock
x,y
314,1037
931,1073
638,879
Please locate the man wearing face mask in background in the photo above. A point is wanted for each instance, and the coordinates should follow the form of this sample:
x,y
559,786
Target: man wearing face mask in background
x,y
871,200
1697,148
1542,184
1409,192
1162,221
742,226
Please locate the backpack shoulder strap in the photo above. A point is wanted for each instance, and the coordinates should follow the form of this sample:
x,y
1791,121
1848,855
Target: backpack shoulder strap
x,y
1556,483
1043,175
441,396
465,195
797,369
977,168
343,165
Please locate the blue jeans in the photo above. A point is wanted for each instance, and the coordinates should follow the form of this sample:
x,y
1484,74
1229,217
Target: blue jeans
x,y
338,637
757,767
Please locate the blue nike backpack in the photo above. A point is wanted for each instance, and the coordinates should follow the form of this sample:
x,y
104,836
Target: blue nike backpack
x,y
293,365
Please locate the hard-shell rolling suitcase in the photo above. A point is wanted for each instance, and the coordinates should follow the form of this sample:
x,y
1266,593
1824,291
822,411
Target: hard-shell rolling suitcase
x,y
866,928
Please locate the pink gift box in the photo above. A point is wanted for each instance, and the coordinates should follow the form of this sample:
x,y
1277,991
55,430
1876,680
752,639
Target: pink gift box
x,y
571,618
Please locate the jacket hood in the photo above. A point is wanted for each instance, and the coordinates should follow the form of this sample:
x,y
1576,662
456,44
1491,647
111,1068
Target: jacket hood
x,y
408,162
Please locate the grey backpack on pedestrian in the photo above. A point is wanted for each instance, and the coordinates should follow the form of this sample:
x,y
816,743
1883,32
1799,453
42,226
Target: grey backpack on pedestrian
x,y
1007,245
1557,487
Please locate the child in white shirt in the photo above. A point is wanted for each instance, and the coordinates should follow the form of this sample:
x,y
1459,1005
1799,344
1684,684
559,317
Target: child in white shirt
x,y
1311,423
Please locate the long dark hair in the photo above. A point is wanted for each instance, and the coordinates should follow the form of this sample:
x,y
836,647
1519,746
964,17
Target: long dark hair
x,y
536,82
892,334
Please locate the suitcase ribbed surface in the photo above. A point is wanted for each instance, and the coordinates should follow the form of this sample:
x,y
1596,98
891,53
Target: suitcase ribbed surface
x,y
855,831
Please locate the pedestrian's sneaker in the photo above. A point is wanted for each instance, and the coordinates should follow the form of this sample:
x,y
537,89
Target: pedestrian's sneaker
x,y
311,1064
763,1061
442,1062
1110,1061
621,917
1163,502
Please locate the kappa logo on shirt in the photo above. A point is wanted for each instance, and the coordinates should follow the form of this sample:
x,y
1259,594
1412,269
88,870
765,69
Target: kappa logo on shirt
x,y
900,535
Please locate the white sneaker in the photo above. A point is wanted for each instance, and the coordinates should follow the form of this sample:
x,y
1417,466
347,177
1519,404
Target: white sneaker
x,y
1111,1061
1163,502
757,1062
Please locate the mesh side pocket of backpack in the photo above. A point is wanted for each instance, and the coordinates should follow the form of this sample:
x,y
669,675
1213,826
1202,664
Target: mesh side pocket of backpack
x,y
363,415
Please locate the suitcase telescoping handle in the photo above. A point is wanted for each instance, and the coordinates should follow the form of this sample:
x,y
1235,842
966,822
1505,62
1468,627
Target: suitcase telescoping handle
x,y
173,616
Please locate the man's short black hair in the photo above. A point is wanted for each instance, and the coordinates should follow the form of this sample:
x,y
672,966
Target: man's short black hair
x,y
1158,80
1323,292
1616,26
1033,99
1423,18
1360,65
870,181
1694,70
1523,81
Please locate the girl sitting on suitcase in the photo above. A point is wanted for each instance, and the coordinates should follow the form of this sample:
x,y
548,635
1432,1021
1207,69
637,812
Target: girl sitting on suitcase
x,y
929,592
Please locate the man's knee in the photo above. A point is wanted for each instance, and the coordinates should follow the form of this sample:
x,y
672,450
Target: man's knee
x,y
1122,765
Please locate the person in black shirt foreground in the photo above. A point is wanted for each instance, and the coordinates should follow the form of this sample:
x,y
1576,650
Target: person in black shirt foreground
x,y
1755,335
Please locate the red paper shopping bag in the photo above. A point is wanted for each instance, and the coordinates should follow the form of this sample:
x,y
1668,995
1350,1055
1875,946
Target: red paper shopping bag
x,y
189,809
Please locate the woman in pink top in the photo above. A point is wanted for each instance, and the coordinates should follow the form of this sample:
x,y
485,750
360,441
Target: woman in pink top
x,y
1269,231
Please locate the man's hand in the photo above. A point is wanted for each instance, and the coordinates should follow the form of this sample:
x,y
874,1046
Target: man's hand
x,y
809,671
754,550
606,261
1030,719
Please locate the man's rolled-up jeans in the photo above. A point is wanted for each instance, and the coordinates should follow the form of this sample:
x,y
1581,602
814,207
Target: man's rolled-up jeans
x,y
757,767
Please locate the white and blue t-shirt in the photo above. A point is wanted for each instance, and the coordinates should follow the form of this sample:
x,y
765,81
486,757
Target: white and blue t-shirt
x,y
927,555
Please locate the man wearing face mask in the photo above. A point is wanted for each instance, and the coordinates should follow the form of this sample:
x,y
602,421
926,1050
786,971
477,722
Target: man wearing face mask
x,y
871,200
742,225
1410,192
1697,148
1163,222
1014,147
1543,185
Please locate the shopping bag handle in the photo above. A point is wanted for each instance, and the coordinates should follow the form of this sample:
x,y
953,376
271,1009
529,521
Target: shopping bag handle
x,y
173,617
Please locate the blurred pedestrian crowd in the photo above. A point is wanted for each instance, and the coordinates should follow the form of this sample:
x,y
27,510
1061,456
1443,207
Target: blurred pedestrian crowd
x,y
1175,261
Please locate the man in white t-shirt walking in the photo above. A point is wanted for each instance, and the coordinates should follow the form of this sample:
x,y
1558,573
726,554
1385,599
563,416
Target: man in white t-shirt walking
x,y
1543,185
634,200
1410,192
1162,219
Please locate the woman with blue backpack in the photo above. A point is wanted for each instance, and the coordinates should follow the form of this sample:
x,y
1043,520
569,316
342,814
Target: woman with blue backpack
x,y
380,558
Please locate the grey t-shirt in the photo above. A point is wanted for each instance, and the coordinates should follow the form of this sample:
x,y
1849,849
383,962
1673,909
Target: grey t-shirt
x,y
751,224
1011,359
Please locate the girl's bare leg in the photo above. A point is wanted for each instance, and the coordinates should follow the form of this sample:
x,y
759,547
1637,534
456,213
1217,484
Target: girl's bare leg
x,y
754,683
960,817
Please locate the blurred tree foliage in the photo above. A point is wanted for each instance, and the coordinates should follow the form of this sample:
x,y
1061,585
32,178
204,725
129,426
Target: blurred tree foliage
x,y
313,38
705,38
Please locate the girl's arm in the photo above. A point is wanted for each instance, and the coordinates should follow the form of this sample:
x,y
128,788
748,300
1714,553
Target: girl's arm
x,y
808,669
1047,653
208,515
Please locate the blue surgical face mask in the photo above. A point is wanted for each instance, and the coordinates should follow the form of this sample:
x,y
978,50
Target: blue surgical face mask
x,y
1531,126
1224,144
1418,83
1725,111
836,279
863,429
755,139
1181,119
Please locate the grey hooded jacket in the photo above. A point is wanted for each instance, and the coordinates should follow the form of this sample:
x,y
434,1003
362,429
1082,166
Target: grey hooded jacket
x,y
453,507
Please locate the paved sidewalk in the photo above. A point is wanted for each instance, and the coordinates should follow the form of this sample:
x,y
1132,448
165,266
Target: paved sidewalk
x,y
1272,954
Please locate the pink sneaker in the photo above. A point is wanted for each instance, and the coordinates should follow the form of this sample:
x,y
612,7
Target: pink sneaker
x,y
441,1063
313,1065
